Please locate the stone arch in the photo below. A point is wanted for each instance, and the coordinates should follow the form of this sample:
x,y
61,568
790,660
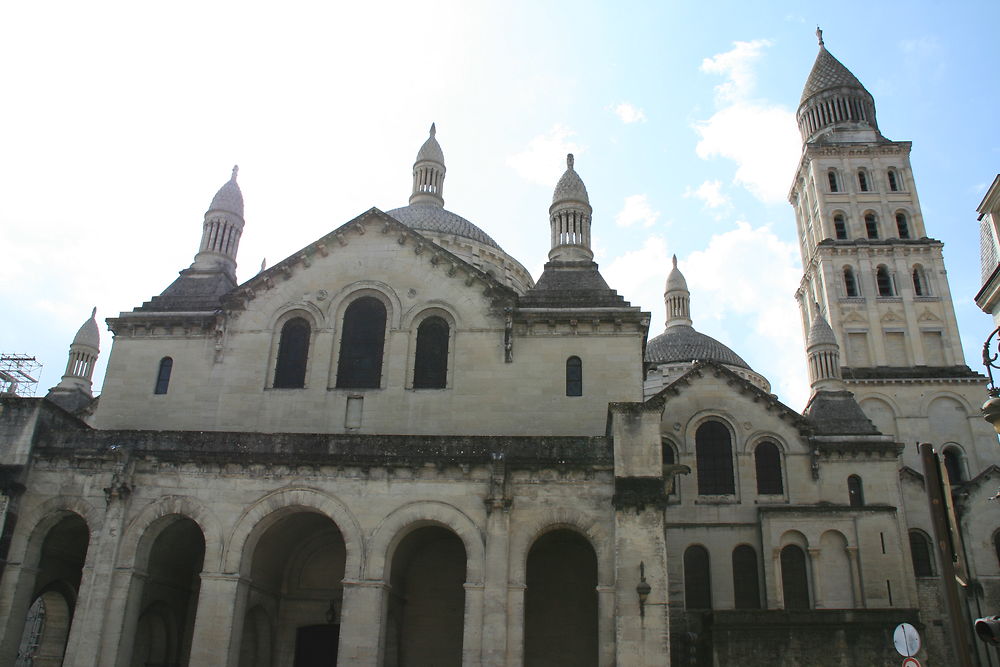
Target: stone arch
x,y
958,398
421,311
948,419
356,290
757,437
38,520
596,533
794,537
404,520
303,309
137,539
722,416
881,411
256,518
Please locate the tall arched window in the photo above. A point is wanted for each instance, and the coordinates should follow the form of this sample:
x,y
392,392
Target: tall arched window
x,y
855,491
840,226
361,345
794,577
996,544
862,180
832,176
768,463
293,353
901,226
697,578
163,375
871,225
919,282
920,551
893,181
574,377
850,282
953,465
430,368
746,584
883,281
714,459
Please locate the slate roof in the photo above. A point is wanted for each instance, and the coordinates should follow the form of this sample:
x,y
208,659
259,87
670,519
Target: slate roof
x,y
433,218
682,343
192,291
572,285
828,72
838,413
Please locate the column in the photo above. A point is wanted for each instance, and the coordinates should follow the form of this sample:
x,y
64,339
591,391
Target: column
x,y
15,596
779,586
494,625
123,618
606,624
816,579
472,637
515,624
852,555
362,622
218,623
641,634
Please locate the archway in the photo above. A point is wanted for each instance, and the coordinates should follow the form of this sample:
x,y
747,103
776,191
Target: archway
x,y
295,593
169,599
426,610
560,607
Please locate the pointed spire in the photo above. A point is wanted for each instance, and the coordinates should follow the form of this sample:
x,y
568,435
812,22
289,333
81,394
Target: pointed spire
x,y
75,388
834,99
222,229
677,298
819,35
823,354
428,172
236,170
570,217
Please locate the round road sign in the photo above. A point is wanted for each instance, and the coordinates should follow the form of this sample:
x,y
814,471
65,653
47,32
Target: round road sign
x,y
911,662
907,642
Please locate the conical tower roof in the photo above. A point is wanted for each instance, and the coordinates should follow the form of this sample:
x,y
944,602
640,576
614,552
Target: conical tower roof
x,y
570,187
820,333
89,334
229,198
676,280
828,72
431,150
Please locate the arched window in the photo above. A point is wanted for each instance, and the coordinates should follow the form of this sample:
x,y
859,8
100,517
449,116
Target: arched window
x,y
919,282
996,544
361,345
768,462
871,225
850,283
855,492
794,577
430,368
920,551
574,377
293,352
862,180
697,578
832,176
953,465
714,459
746,583
840,226
883,281
893,181
163,375
667,453
901,226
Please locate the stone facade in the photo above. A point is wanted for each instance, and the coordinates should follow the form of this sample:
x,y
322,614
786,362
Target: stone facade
x,y
395,448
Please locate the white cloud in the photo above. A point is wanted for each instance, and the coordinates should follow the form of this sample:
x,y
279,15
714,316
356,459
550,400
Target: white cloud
x,y
628,113
710,193
636,210
737,66
544,159
639,276
746,279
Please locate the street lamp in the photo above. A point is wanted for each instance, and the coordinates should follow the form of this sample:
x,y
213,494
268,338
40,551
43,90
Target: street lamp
x,y
991,408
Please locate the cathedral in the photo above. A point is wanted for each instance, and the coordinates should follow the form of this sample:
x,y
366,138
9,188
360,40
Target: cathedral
x,y
395,447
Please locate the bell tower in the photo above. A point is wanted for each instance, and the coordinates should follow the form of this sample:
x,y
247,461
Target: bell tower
x,y
867,261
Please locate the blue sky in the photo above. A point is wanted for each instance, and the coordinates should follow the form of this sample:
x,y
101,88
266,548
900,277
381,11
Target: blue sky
x,y
123,119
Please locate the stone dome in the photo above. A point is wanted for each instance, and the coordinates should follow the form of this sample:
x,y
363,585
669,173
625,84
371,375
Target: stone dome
x,y
229,198
676,281
570,187
431,150
681,343
828,72
433,218
89,334
820,333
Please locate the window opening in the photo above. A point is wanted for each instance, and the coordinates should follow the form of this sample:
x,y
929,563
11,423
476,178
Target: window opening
x,y
768,463
697,578
855,492
430,368
953,465
919,288
794,577
833,181
871,226
746,584
574,377
850,283
920,551
863,181
293,353
361,345
840,227
883,281
893,183
901,226
163,375
714,458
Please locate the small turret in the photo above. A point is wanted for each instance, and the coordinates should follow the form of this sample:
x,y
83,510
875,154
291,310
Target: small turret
x,y
75,390
570,217
824,355
221,231
677,298
428,173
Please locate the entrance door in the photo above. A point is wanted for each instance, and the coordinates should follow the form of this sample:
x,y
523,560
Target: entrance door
x,y
316,645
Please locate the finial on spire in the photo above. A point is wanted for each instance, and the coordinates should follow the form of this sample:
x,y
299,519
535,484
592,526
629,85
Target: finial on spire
x,y
236,170
433,130
675,261
93,313
569,160
819,35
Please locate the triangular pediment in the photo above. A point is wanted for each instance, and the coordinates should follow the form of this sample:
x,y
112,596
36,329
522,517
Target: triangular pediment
x,y
928,316
854,317
891,316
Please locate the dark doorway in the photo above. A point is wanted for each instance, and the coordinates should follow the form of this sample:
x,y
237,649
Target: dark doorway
x,y
316,645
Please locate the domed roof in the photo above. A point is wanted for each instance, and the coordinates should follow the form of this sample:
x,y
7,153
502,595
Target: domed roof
x,y
570,187
89,333
229,198
433,218
682,343
820,333
827,73
676,281
431,150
